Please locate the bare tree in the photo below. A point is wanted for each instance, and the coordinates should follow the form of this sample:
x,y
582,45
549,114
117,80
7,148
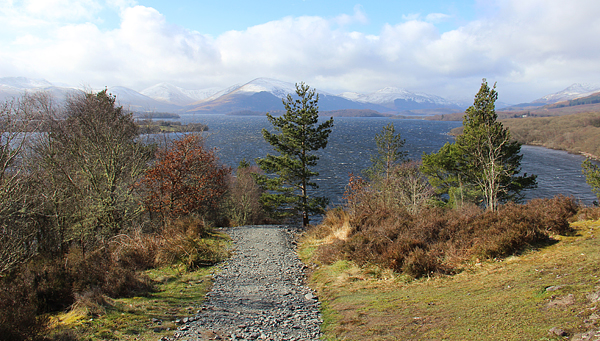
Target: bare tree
x,y
243,198
89,160
409,186
19,122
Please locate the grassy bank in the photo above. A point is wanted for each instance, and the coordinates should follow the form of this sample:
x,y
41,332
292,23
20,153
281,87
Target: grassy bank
x,y
519,298
178,291
178,295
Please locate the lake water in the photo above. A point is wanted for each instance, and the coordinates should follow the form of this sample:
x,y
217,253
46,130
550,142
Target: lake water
x,y
352,142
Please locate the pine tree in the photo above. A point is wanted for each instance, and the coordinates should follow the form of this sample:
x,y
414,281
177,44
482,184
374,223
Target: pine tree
x,y
299,136
483,156
592,176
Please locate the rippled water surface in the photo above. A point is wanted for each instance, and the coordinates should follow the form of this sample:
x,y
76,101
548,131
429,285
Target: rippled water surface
x,y
352,143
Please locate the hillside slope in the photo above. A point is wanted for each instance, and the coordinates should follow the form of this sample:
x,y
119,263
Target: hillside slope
x,y
578,133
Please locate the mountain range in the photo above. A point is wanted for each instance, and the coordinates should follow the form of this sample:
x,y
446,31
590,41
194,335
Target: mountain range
x,y
265,94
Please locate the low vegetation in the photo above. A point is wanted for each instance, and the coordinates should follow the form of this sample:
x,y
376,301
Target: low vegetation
x,y
545,292
436,240
89,207
443,250
176,295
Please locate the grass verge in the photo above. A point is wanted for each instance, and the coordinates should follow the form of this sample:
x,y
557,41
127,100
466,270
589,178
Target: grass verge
x,y
178,293
519,298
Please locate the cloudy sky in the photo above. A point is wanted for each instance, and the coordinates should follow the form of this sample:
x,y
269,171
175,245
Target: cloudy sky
x,y
529,47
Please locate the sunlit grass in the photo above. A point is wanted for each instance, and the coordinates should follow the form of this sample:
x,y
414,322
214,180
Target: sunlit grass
x,y
178,295
505,300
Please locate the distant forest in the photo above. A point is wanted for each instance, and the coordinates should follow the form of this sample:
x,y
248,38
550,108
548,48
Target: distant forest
x,y
155,115
592,99
577,133
156,127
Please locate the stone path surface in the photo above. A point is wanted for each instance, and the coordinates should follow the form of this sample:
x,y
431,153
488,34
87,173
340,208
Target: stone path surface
x,y
258,294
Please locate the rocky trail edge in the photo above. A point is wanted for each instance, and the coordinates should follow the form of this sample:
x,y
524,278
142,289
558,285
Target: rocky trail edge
x,y
259,293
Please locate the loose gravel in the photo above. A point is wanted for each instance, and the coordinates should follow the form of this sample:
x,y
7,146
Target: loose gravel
x,y
259,293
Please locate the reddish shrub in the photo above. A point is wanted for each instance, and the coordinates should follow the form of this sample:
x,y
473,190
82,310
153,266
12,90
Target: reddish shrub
x,y
187,178
436,240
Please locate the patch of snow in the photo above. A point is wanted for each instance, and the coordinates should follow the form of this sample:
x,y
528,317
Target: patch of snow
x,y
388,95
276,87
25,83
169,93
575,90
353,96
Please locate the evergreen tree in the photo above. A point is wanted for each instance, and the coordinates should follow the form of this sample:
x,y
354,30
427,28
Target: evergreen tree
x,y
483,157
299,135
592,176
389,153
446,172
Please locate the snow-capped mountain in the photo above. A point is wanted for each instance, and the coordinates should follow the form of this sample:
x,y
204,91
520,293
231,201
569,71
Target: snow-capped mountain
x,y
223,92
172,94
261,94
574,91
13,87
399,99
136,101
265,94
275,87
25,83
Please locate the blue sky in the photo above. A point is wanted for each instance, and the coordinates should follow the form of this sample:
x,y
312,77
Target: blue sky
x,y
529,47
216,17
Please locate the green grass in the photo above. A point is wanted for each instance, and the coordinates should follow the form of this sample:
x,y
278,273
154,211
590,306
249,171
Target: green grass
x,y
178,295
504,300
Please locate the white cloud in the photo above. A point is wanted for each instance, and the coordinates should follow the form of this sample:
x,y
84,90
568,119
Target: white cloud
x,y
358,17
121,5
63,9
437,17
531,47
411,16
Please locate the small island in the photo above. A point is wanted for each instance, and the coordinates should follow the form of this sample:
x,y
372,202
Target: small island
x,y
161,126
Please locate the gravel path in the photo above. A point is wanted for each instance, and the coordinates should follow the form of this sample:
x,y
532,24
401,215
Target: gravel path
x,y
258,294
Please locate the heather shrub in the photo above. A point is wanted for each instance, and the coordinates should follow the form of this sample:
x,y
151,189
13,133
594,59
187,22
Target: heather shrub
x,y
183,243
554,213
440,240
420,262
19,319
100,271
589,213
136,250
